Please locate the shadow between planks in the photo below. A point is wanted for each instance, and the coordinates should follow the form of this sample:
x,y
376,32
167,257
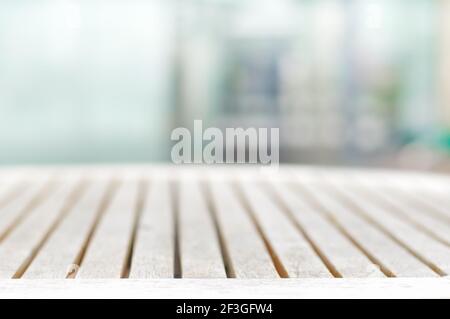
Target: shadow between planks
x,y
166,223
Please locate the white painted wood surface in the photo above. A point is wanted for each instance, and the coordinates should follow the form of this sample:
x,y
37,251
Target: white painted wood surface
x,y
56,260
296,256
247,254
153,255
199,245
347,260
423,247
150,224
23,244
306,288
393,258
106,255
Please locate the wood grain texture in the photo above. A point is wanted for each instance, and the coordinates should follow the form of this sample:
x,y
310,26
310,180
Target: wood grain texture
x,y
153,255
296,256
430,252
200,250
151,224
342,255
56,258
14,211
248,256
17,250
387,254
107,252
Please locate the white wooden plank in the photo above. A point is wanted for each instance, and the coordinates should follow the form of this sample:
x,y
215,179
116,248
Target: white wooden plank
x,y
16,210
11,189
393,202
25,239
341,253
389,256
437,206
199,246
300,251
56,258
433,253
249,257
229,289
430,195
107,252
153,255
296,254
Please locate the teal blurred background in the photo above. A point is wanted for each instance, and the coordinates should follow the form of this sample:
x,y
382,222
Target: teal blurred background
x,y
348,82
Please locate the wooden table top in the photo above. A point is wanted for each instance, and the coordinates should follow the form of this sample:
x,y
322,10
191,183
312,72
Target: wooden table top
x,y
297,231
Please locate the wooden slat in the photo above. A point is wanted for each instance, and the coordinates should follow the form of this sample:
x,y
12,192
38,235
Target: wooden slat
x,y
345,257
228,289
16,210
56,258
10,190
434,198
19,248
106,255
153,255
248,256
199,246
297,257
434,204
216,223
392,259
391,200
433,253
11,178
5,188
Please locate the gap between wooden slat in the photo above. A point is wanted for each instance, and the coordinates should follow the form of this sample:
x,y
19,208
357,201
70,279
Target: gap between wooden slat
x,y
427,208
393,209
397,259
108,248
324,211
103,206
177,268
32,204
249,256
287,211
153,252
56,256
65,210
228,264
200,251
356,209
282,272
140,203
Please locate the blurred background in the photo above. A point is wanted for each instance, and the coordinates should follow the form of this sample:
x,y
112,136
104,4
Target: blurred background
x,y
348,82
